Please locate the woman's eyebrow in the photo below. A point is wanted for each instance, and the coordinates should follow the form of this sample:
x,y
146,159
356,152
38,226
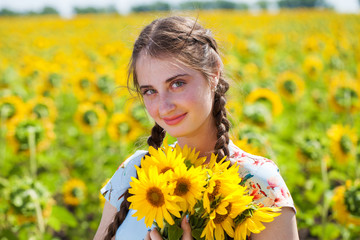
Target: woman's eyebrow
x,y
167,80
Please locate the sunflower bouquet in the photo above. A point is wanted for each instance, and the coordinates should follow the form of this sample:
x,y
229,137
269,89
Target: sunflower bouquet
x,y
173,183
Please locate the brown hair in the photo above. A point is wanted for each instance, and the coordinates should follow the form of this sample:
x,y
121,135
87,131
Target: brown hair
x,y
194,46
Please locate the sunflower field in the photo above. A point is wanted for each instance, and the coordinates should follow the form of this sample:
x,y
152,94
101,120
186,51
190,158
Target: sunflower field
x,y
67,119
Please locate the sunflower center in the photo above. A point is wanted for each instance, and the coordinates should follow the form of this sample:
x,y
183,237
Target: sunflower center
x,y
155,197
7,110
22,133
84,83
352,200
54,80
123,128
104,84
77,192
290,86
90,118
41,111
165,169
220,218
182,187
345,144
215,191
346,97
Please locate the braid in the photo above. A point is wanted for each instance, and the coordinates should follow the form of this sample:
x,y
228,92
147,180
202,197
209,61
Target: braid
x,y
157,136
119,217
155,140
221,121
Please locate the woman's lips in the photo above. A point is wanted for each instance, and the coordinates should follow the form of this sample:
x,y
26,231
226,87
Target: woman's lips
x,y
174,120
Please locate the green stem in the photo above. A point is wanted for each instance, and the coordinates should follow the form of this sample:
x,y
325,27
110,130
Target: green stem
x,y
39,217
2,132
325,179
32,149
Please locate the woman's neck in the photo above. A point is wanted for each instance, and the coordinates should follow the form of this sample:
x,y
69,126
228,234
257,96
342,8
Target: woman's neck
x,y
204,143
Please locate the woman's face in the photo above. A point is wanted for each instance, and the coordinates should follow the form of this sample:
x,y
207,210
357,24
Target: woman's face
x,y
178,98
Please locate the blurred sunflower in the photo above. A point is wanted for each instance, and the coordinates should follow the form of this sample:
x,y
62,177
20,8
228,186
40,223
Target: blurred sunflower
x,y
346,202
136,109
190,184
104,101
151,197
290,86
344,94
343,140
252,222
311,44
74,191
270,97
122,126
235,110
312,66
272,40
83,85
43,107
11,107
90,117
104,85
246,145
20,131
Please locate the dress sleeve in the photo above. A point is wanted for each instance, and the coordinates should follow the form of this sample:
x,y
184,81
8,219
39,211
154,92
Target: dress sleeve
x,y
263,180
115,188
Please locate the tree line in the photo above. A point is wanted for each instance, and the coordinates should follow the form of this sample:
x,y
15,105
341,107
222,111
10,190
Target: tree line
x,y
164,6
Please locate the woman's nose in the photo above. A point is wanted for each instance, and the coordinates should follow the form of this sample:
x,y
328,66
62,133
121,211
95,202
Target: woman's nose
x,y
166,105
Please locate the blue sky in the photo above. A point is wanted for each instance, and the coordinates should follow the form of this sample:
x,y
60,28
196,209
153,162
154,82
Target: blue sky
x,y
65,6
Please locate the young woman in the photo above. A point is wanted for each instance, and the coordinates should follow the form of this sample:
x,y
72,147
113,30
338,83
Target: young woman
x,y
177,69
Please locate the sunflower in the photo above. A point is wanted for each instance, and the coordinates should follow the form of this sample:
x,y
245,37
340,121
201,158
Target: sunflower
x,y
346,203
43,107
263,94
290,86
343,141
104,85
152,197
122,126
137,110
222,217
11,107
250,221
222,181
74,192
190,155
190,185
311,44
344,94
83,85
163,161
312,66
20,130
102,100
90,117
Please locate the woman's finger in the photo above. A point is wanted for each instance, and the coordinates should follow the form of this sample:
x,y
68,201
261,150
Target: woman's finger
x,y
185,225
147,237
155,235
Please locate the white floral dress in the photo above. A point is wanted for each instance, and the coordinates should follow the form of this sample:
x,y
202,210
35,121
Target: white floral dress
x,y
261,176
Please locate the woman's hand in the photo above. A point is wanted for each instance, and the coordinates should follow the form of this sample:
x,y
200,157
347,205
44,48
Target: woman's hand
x,y
155,235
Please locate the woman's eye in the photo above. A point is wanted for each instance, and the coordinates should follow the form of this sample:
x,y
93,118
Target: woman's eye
x,y
148,92
177,84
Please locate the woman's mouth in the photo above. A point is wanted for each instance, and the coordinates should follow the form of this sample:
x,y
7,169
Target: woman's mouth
x,y
174,120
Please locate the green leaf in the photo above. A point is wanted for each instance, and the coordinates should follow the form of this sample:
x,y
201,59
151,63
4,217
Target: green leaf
x,y
61,215
175,232
196,233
